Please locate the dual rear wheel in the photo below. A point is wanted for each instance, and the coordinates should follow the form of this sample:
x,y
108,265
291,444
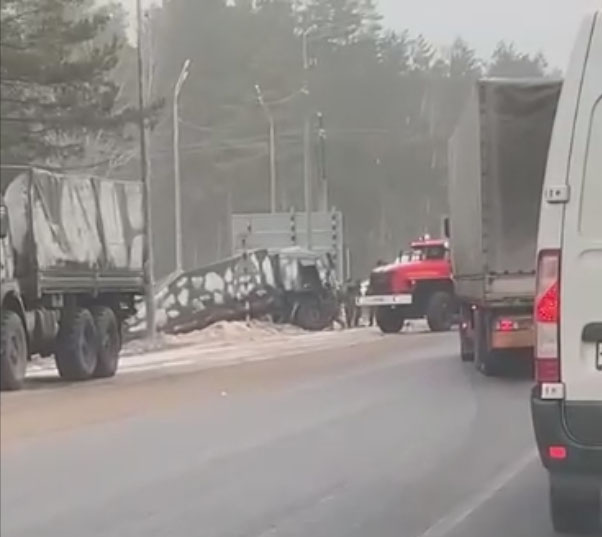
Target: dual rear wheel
x,y
88,344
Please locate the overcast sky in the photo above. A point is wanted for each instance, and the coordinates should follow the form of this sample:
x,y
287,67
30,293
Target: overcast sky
x,y
534,25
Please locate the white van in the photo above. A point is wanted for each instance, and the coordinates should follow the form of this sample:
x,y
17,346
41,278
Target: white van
x,y
567,401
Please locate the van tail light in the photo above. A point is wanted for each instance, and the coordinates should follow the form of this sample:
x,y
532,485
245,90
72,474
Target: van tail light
x,y
547,317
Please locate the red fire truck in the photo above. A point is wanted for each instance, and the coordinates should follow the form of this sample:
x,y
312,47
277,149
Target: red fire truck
x,y
418,284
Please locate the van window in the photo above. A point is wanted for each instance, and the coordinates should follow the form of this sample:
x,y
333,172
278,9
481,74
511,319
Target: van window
x,y
591,199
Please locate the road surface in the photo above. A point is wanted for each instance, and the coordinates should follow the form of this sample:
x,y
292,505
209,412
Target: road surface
x,y
393,436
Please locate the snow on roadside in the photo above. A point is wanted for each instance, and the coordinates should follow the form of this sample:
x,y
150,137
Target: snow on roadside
x,y
224,332
227,337
232,333
229,343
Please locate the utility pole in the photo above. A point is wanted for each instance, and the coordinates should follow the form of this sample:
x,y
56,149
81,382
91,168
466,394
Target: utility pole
x,y
273,207
307,181
307,141
176,160
322,157
272,147
148,241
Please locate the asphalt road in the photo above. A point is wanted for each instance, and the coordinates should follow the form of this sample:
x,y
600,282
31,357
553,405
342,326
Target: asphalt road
x,y
394,437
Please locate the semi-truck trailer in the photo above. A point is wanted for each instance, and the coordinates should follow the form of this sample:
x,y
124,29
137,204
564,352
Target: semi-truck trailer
x,y
497,160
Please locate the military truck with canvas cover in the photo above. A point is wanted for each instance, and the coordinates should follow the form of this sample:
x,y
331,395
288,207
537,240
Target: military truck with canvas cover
x,y
497,162
71,267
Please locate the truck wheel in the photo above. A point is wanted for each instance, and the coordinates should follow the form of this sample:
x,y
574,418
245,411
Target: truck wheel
x,y
467,345
487,362
109,342
439,311
488,365
13,352
575,511
310,315
77,346
485,359
390,321
466,349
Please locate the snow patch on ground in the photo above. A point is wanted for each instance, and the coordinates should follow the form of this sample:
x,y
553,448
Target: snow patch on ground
x,y
234,333
224,332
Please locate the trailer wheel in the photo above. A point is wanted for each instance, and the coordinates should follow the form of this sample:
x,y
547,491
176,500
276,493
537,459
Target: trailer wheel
x,y
439,311
77,346
485,359
13,351
109,342
466,348
389,320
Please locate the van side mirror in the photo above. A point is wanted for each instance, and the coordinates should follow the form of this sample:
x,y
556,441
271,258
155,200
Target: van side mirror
x,y
3,221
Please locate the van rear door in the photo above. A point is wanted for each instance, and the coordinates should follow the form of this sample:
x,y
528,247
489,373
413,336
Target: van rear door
x,y
581,263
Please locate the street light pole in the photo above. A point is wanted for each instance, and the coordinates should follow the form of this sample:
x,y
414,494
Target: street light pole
x,y
273,207
176,160
146,189
307,141
272,148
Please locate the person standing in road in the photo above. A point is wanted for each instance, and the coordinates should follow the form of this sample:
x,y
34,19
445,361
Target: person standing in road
x,y
379,263
351,292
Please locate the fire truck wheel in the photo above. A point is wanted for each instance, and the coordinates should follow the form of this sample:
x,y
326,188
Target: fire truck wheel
x,y
439,311
389,320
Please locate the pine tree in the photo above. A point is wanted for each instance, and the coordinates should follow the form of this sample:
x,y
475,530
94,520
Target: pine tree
x,y
508,62
342,22
422,54
395,52
57,60
463,61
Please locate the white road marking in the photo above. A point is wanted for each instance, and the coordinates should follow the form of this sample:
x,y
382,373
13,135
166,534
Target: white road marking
x,y
452,520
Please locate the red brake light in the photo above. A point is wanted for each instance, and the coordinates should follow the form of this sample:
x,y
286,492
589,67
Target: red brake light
x,y
506,325
557,453
547,306
547,317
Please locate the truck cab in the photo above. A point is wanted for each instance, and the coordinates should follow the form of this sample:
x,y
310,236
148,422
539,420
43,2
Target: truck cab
x,y
418,284
425,249
13,336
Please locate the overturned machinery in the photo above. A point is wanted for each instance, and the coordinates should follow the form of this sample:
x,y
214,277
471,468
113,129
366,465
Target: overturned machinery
x,y
290,285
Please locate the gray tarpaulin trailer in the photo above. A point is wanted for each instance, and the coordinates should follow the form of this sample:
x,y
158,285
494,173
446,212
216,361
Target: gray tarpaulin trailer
x,y
72,266
497,159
